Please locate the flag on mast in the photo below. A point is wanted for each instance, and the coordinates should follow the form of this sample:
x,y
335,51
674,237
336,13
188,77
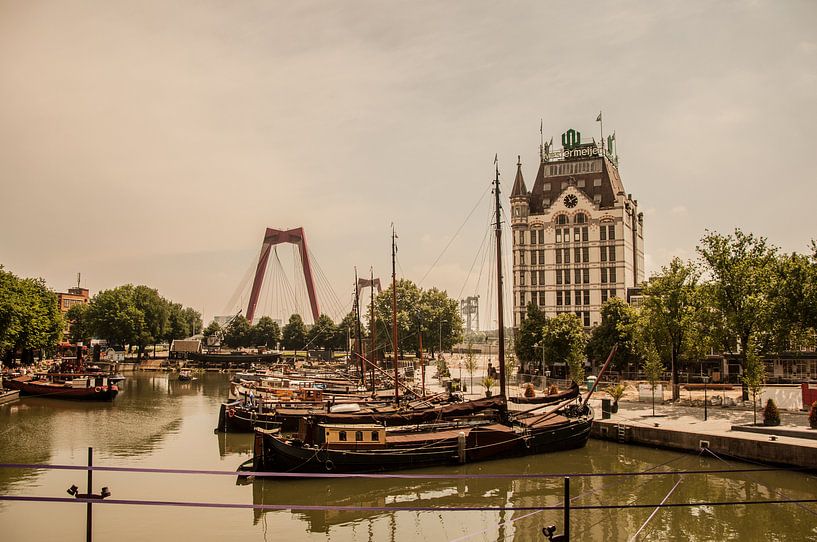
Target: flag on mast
x,y
598,119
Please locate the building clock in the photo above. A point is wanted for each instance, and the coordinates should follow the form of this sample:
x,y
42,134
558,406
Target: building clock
x,y
571,200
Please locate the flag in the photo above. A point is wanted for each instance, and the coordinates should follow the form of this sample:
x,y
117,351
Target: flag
x,y
540,126
496,158
598,119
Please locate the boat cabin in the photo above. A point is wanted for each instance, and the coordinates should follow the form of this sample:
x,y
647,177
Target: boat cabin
x,y
352,436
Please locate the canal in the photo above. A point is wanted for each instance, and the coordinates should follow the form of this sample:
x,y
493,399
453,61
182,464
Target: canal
x,y
158,422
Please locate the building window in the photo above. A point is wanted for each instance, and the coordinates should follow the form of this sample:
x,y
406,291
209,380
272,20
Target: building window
x,y
604,275
558,297
522,298
596,182
612,293
585,254
611,231
604,296
541,299
522,257
603,254
612,253
358,436
581,218
558,235
586,275
567,297
342,436
546,187
558,255
577,234
586,318
542,278
533,279
561,219
567,276
374,436
603,233
577,276
522,278
566,255
586,297
577,254
585,235
542,256
597,198
542,237
581,181
612,274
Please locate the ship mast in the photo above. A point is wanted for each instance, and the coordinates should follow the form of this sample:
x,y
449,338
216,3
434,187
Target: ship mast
x,y
372,331
358,343
500,313
394,311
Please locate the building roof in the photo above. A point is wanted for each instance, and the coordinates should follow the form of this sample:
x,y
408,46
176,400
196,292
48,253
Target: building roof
x,y
519,188
610,187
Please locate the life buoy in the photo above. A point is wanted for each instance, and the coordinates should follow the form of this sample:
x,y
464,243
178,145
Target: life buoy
x,y
231,412
329,465
98,389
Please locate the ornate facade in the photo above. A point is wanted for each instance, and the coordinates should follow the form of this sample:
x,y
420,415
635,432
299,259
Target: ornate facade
x,y
578,237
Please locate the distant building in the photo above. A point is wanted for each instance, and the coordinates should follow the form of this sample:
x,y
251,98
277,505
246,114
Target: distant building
x,y
73,296
578,237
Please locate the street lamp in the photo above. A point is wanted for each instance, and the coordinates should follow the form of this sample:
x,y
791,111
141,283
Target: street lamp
x,y
705,378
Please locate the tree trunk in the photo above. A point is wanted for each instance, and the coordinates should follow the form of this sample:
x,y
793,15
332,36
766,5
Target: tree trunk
x,y
676,387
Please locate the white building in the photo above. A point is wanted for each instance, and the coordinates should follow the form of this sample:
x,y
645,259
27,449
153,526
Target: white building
x,y
578,237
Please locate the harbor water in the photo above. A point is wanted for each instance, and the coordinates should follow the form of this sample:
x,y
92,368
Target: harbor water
x,y
159,422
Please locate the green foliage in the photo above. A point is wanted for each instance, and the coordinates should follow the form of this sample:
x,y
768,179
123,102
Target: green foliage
x,y
265,332
213,328
528,338
741,267
564,340
182,322
293,336
618,326
29,314
771,416
238,332
616,391
672,306
323,333
432,311
77,318
488,382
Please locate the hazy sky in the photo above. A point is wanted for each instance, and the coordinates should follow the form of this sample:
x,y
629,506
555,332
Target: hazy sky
x,y
153,142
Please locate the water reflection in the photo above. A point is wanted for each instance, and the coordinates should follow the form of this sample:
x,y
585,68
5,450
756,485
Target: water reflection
x,y
159,422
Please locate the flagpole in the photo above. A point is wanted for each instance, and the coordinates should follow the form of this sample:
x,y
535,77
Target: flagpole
x,y
601,123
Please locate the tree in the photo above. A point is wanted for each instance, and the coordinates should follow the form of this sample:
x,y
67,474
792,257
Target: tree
x,y
347,329
177,327
471,362
238,332
671,305
563,339
77,318
322,333
618,326
741,267
754,375
293,336
155,310
212,329
266,332
30,318
652,366
528,345
437,314
113,315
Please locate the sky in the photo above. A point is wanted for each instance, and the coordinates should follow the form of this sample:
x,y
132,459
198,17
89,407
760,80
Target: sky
x,y
153,142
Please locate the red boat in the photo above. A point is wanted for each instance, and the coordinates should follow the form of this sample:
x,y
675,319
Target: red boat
x,y
78,386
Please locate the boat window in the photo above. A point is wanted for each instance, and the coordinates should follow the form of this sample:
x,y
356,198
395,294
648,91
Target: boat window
x,y
342,436
375,438
358,436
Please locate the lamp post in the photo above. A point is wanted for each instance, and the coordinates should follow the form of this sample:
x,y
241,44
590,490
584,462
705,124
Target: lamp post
x,y
705,378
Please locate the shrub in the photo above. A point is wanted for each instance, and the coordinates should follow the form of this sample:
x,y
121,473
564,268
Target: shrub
x,y
771,416
616,392
812,415
488,383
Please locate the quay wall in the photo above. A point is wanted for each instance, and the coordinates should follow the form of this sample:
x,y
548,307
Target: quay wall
x,y
750,447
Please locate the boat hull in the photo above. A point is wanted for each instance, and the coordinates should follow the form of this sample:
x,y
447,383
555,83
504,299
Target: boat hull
x,y
55,391
272,453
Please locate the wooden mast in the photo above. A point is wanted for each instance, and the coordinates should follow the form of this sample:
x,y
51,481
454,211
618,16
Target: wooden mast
x,y
373,330
394,311
358,342
500,315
